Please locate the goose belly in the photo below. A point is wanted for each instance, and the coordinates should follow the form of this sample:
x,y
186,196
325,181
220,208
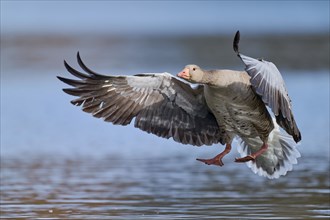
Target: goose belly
x,y
244,115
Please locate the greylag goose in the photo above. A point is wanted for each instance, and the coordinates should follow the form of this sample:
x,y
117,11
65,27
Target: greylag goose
x,y
224,105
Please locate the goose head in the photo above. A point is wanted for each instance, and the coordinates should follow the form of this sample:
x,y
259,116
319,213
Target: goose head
x,y
192,73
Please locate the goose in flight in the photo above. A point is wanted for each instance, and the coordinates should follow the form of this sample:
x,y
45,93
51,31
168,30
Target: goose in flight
x,y
225,104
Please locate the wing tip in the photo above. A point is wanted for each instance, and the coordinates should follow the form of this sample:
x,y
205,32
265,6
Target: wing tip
x,y
236,42
297,137
68,67
85,68
62,78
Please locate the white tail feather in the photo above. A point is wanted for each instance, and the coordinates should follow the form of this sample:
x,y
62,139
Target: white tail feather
x,y
279,158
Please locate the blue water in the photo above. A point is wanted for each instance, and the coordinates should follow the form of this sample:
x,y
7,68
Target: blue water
x,y
58,162
35,112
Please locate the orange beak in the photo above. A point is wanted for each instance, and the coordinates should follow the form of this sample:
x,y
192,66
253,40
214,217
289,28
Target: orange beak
x,y
184,74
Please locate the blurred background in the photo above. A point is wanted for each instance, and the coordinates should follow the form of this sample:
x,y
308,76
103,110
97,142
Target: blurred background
x,y
58,162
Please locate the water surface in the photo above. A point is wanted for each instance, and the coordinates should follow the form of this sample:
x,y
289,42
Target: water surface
x,y
58,162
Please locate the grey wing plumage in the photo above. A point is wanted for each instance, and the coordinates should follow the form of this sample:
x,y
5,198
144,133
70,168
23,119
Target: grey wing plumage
x,y
160,104
268,83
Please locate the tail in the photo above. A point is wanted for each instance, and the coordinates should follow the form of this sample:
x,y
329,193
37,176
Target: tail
x,y
281,154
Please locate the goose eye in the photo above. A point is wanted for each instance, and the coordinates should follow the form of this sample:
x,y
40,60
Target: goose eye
x,y
194,69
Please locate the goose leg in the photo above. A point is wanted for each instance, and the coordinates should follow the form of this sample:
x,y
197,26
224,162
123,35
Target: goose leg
x,y
253,156
217,160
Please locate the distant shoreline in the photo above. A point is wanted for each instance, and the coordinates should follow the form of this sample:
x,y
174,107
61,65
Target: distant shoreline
x,y
291,51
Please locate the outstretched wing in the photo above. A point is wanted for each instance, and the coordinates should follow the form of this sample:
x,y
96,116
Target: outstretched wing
x,y
267,82
160,104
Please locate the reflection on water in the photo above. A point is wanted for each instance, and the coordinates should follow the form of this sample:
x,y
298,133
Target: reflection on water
x,y
60,163
162,187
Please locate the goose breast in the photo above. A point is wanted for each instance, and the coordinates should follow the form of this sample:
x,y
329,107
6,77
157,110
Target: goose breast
x,y
236,107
